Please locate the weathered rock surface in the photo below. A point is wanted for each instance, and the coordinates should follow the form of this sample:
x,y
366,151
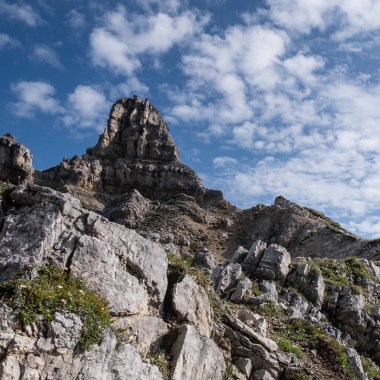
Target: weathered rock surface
x,y
129,271
135,151
52,354
15,160
274,264
191,304
196,357
133,178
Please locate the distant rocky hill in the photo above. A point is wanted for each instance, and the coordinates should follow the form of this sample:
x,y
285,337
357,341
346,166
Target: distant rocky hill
x,y
120,264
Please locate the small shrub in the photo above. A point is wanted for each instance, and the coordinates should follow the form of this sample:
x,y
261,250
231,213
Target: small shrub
x,y
161,360
287,346
183,266
270,309
229,372
51,291
370,368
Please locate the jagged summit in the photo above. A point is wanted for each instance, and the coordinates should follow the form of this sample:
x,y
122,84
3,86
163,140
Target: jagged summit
x,y
136,151
136,131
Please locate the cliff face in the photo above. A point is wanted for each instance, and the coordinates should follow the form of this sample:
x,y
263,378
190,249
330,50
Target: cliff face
x,y
135,151
119,264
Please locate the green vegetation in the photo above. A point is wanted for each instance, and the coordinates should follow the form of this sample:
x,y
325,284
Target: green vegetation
x,y
269,309
53,290
334,226
5,190
287,346
229,372
309,336
184,266
370,368
341,272
161,360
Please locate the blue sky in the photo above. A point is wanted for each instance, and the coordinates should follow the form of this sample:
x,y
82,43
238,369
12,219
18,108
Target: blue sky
x,y
263,98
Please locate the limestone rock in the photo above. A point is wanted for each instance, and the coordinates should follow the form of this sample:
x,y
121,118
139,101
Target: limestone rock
x,y
254,256
15,160
243,290
196,357
274,264
129,210
228,277
206,260
239,255
143,332
135,151
191,304
125,268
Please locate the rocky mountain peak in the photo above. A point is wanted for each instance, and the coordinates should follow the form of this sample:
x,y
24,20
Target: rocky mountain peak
x,y
136,131
15,160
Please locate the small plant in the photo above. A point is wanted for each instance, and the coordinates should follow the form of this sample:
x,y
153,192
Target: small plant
x,y
53,290
287,346
229,372
5,190
370,368
183,266
314,337
270,309
161,360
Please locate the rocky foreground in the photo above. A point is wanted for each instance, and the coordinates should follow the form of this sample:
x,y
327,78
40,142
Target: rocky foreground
x,y
119,264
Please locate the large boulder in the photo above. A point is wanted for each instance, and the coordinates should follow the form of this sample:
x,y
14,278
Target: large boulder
x,y
274,264
128,270
191,304
196,357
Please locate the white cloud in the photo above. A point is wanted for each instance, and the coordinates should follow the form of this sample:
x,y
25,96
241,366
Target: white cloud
x,y
46,54
7,41
87,108
223,161
124,37
34,96
168,6
76,19
348,17
23,13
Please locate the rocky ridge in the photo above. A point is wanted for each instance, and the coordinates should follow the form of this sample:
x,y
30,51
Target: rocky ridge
x,y
194,287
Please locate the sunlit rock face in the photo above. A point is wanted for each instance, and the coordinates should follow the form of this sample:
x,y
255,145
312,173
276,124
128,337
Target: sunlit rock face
x,y
136,151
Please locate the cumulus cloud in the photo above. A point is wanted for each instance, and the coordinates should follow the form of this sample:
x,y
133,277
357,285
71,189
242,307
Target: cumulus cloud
x,y
351,17
46,54
76,19
223,161
86,108
124,37
7,41
168,6
33,97
23,13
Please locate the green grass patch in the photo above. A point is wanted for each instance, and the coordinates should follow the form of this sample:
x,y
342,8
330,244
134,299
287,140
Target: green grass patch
x,y
269,309
287,346
161,360
184,266
53,290
370,368
313,337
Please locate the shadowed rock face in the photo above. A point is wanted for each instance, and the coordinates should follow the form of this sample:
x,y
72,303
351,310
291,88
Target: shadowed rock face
x,y
135,151
15,160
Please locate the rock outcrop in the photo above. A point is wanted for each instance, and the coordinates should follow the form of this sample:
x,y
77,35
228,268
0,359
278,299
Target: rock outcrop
x,y
190,286
135,151
15,160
